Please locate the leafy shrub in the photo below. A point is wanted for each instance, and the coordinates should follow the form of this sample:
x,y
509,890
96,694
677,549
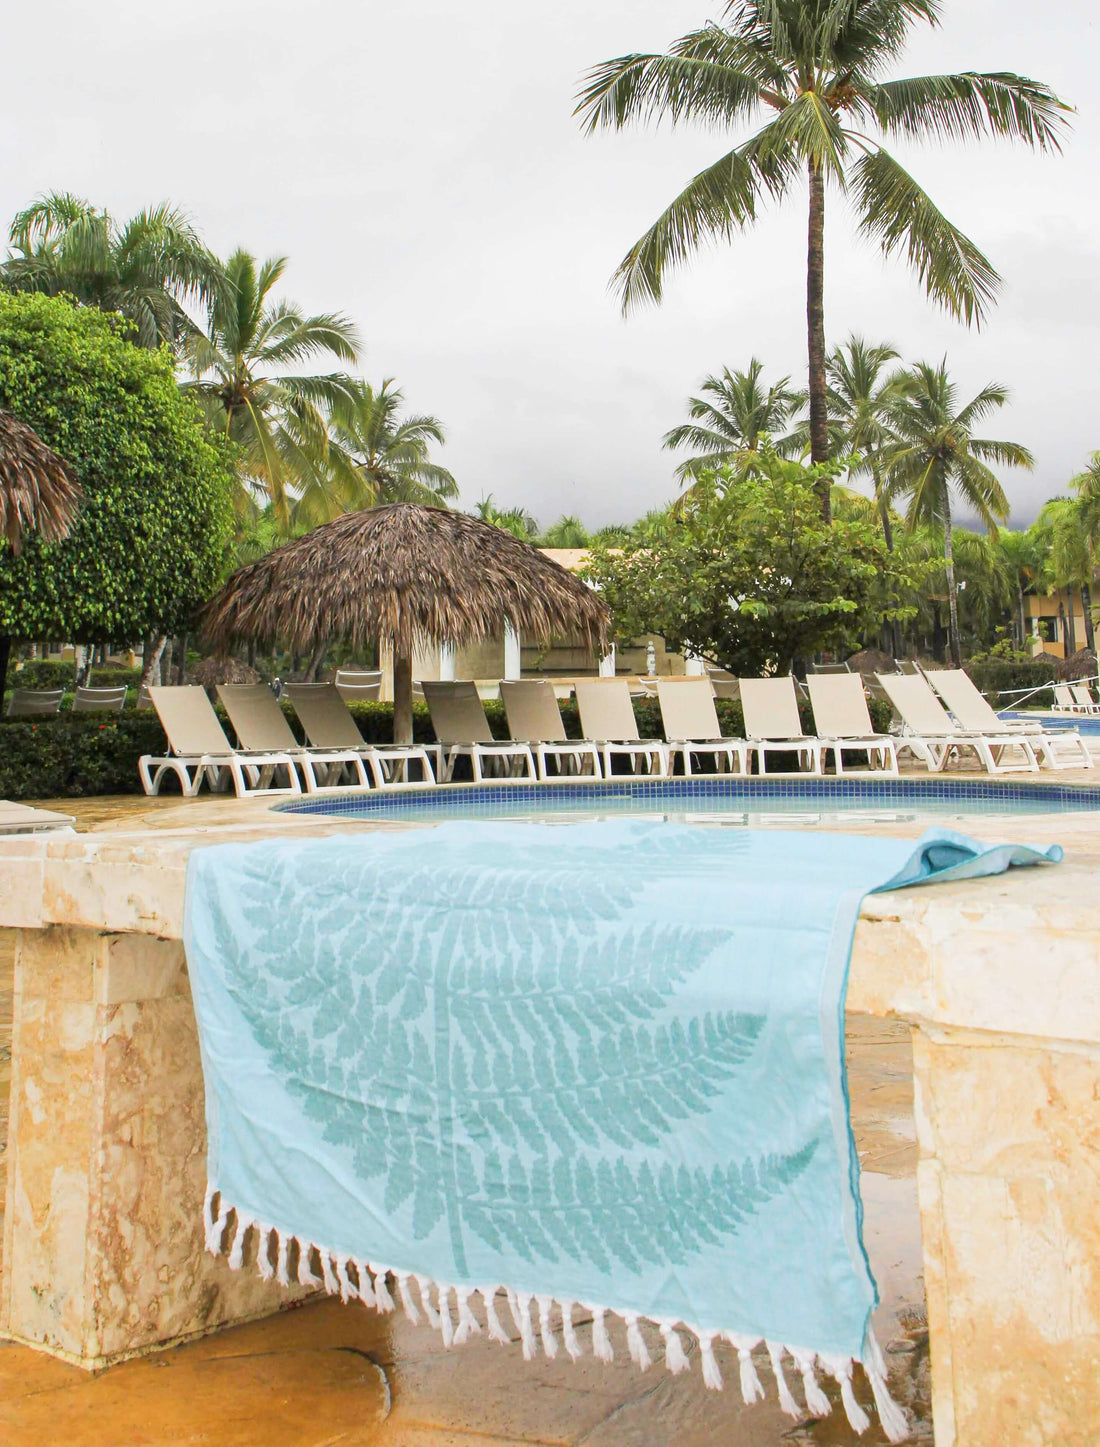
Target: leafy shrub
x,y
52,673
997,678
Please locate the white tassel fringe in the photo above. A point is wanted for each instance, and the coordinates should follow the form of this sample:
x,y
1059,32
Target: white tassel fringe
x,y
337,1279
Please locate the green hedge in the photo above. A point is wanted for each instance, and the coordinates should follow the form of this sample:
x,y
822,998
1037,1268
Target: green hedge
x,y
50,673
71,755
996,676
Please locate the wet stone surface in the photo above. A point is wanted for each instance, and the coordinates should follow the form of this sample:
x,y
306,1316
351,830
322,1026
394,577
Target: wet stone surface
x,y
326,1374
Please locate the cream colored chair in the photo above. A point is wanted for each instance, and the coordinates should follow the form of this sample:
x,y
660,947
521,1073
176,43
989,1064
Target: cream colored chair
x,y
359,685
462,731
534,718
261,726
692,729
772,724
99,700
200,750
1083,698
931,735
608,721
843,721
23,819
34,702
1057,748
328,725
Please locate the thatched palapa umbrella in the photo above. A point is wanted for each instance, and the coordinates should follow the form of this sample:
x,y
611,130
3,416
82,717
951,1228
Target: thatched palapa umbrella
x,y
405,575
39,493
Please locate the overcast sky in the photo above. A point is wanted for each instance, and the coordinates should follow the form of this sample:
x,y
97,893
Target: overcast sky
x,y
418,162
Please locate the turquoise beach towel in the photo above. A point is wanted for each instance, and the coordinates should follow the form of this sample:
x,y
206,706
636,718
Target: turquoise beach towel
x,y
589,1071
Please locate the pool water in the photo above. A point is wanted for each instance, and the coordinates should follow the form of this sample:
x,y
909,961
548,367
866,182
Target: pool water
x,y
747,802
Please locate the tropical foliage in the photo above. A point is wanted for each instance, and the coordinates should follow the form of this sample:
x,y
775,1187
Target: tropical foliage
x,y
937,455
278,420
748,575
148,269
817,72
736,411
378,456
146,547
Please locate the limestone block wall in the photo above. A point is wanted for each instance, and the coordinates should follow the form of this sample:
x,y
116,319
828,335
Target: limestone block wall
x,y
999,980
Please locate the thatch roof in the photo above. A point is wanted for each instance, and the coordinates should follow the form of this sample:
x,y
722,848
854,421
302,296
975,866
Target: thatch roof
x,y
209,672
1081,664
407,575
39,491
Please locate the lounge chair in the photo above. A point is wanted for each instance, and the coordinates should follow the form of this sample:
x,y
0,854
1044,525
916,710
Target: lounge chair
x,y
23,819
772,724
100,700
973,712
261,726
143,699
329,726
33,702
931,735
692,729
358,685
462,731
1083,698
842,719
534,718
1064,701
200,750
727,688
607,720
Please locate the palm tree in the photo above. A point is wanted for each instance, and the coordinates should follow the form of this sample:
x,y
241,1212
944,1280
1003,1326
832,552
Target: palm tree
x,y
1025,558
859,401
728,421
278,421
936,454
515,520
146,268
1086,486
567,532
375,456
817,66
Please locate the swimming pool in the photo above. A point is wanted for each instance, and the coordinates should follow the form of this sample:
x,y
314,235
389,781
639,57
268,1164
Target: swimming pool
x,y
1085,723
730,801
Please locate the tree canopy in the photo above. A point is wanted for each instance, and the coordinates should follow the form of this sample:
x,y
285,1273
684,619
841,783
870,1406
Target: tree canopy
x,y
147,544
748,574
145,268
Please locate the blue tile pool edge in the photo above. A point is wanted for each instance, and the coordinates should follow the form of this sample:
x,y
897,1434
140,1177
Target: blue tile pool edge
x,y
443,798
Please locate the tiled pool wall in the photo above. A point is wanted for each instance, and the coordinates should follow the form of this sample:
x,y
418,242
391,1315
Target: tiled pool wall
x,y
928,795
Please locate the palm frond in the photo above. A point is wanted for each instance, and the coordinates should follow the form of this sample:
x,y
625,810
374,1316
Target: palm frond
x,y
715,204
970,106
678,87
899,215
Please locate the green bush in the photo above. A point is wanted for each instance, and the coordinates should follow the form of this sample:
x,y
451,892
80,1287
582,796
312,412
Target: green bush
x,y
51,673
147,545
76,754
996,677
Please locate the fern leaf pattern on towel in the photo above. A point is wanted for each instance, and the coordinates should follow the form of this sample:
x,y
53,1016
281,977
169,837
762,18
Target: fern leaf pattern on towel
x,y
498,1067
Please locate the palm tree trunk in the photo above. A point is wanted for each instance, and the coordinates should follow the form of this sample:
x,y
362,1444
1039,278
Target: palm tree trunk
x,y
1071,626
952,592
815,331
402,699
1086,608
1021,617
